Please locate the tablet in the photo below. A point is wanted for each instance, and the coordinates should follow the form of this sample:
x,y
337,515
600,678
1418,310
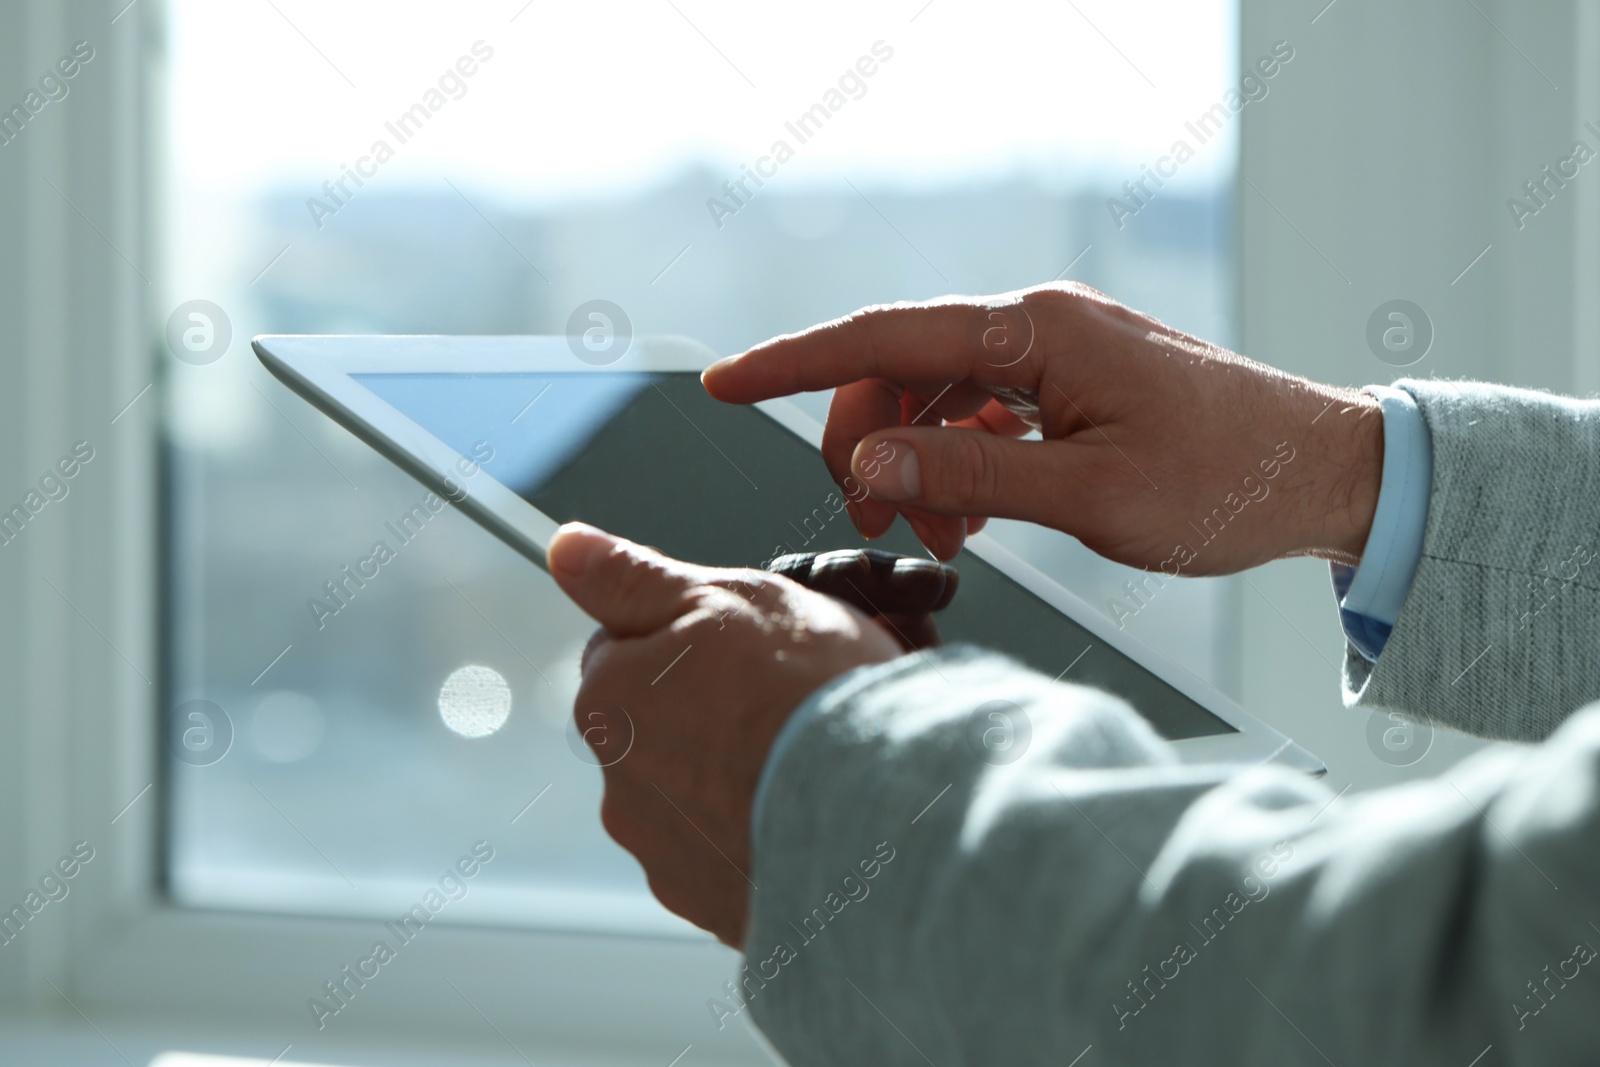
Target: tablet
x,y
522,435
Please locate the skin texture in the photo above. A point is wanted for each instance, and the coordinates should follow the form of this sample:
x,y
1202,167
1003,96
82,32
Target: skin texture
x,y
1144,429
696,729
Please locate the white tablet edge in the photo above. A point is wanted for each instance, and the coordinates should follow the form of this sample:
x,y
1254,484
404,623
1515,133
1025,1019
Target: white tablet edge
x,y
320,368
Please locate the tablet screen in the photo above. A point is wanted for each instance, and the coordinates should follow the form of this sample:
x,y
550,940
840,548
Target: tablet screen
x,y
653,458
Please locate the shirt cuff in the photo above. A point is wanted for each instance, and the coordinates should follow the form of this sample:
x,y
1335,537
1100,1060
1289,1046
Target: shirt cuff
x,y
1371,595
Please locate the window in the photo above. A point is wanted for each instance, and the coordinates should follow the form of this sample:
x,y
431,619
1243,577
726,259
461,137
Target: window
x,y
716,170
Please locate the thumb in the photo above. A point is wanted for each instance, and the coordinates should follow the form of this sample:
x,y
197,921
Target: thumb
x,y
954,471
629,589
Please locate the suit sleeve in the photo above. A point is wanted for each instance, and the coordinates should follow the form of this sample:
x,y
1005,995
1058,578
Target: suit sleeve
x,y
960,862
1498,631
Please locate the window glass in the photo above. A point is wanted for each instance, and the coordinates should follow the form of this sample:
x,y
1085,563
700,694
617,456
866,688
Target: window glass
x,y
362,690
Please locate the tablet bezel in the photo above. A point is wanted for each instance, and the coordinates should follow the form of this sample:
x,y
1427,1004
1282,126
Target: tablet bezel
x,y
321,367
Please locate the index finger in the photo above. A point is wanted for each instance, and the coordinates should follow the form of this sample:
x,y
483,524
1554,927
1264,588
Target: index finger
x,y
919,345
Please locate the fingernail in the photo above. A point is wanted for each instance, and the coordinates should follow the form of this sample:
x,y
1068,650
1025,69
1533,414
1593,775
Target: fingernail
x,y
721,364
923,531
895,476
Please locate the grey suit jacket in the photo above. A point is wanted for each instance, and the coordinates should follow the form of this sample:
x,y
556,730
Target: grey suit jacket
x,y
1094,902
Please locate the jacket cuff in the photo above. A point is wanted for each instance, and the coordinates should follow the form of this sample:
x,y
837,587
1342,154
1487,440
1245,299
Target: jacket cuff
x,y
1505,603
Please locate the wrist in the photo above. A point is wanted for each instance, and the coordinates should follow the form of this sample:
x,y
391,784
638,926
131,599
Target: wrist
x,y
1343,473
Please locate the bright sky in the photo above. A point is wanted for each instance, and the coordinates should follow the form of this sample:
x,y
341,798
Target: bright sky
x,y
582,97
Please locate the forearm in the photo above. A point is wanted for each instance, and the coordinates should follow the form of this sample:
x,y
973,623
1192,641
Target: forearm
x,y
1096,893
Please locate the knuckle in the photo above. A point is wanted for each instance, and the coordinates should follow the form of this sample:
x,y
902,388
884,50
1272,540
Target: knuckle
x,y
744,579
878,311
862,327
766,590
709,617
713,615
712,600
975,475
868,324
640,570
745,585
1066,293
1066,301
624,573
1053,298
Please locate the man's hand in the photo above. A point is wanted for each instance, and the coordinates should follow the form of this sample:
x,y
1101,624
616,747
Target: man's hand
x,y
695,670
1147,432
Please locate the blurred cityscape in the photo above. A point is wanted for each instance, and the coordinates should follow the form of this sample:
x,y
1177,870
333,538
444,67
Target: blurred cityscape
x,y
341,789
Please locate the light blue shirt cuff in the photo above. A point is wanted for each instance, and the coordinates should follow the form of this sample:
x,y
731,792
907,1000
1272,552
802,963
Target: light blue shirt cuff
x,y
1371,595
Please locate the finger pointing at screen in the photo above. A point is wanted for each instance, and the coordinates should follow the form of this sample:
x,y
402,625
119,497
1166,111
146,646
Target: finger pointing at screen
x,y
1142,428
